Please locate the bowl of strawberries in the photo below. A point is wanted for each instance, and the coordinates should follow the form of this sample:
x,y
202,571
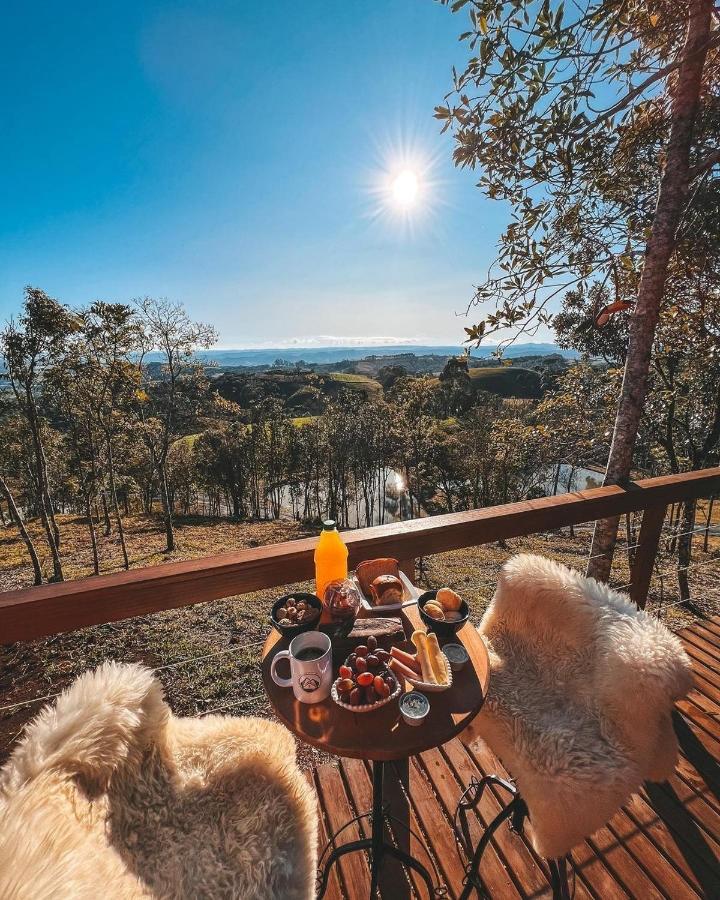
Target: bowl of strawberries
x,y
365,681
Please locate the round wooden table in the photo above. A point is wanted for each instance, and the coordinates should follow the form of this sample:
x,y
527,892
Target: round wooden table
x,y
382,735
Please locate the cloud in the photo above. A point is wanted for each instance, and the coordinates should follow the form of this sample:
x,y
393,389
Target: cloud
x,y
331,340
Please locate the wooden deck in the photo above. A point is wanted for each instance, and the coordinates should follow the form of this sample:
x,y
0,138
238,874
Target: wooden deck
x,y
665,843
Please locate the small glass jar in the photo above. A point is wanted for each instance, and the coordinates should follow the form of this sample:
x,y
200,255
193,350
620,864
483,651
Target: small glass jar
x,y
414,707
457,656
341,603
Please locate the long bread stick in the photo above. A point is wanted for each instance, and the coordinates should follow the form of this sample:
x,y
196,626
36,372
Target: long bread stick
x,y
419,638
437,660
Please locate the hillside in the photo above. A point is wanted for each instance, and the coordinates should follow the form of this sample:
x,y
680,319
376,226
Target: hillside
x,y
507,381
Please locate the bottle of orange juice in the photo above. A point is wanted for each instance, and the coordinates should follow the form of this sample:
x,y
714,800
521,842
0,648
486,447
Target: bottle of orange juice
x,y
331,557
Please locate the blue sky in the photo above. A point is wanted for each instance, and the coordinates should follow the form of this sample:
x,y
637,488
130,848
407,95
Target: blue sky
x,y
228,154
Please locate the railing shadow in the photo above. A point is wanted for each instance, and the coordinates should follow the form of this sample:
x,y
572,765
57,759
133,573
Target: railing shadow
x,y
689,838
697,755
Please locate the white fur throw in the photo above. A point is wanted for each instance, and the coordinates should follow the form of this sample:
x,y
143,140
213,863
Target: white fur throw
x,y
109,795
581,693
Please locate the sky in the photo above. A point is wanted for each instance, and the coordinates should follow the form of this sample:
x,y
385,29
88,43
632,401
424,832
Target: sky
x,y
237,157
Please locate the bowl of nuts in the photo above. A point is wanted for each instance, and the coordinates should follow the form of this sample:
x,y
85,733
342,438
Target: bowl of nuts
x,y
295,613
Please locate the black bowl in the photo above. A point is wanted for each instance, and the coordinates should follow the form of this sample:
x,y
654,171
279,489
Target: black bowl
x,y
290,631
442,629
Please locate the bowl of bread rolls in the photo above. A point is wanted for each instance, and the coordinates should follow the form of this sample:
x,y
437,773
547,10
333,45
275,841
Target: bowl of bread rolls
x,y
443,611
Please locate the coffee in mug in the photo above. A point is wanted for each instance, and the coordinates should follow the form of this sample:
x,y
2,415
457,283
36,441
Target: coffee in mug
x,y
310,656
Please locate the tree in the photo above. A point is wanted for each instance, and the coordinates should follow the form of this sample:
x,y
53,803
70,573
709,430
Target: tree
x,y
175,398
680,426
17,519
543,107
29,346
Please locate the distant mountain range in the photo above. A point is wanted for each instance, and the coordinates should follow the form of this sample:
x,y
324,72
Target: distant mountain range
x,y
267,356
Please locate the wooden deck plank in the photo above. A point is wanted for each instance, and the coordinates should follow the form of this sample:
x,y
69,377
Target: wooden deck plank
x,y
449,785
710,650
590,871
513,849
708,632
436,828
709,625
358,781
658,833
353,866
334,890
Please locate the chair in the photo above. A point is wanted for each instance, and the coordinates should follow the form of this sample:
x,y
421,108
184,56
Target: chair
x,y
108,794
579,708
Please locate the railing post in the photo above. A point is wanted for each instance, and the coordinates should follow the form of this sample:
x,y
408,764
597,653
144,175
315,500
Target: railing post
x,y
407,566
649,540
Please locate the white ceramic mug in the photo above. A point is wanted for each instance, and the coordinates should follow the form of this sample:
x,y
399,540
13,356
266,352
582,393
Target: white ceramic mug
x,y
310,679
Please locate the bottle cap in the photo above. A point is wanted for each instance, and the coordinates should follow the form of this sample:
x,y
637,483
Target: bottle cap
x,y
329,525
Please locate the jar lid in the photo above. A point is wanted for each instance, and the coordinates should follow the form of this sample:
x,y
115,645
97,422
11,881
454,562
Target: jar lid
x,y
415,705
455,653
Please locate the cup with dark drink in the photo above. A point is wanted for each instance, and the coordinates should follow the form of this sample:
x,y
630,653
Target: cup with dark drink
x,y
310,657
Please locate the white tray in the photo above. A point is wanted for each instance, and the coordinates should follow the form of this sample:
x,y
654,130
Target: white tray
x,y
410,595
366,707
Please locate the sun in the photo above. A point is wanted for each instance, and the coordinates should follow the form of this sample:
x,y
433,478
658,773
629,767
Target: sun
x,y
402,187
405,188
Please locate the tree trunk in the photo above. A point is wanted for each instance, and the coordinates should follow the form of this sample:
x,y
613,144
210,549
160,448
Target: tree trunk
x,y
93,537
106,514
116,508
708,524
672,197
685,548
167,510
17,518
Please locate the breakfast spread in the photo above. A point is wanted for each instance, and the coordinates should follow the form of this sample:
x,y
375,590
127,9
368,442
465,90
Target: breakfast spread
x,y
380,660
296,612
445,607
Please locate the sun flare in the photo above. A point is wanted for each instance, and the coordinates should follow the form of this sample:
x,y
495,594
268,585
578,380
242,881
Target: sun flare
x,y
405,187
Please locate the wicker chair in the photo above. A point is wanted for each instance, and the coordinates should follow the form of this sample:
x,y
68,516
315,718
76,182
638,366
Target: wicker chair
x,y
581,694
108,794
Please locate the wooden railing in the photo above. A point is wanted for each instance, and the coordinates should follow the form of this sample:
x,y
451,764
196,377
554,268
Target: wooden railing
x,y
54,608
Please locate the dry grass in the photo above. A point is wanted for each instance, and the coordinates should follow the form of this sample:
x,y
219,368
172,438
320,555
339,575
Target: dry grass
x,y
208,655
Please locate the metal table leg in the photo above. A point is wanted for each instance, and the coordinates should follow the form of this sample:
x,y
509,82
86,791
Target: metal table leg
x,y
375,844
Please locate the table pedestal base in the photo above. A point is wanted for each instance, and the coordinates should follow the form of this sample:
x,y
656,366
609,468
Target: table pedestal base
x,y
376,845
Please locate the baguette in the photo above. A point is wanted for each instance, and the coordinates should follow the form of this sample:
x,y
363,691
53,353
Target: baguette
x,y
406,659
419,638
437,660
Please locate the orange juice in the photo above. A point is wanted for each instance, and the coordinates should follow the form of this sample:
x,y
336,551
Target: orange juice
x,y
331,556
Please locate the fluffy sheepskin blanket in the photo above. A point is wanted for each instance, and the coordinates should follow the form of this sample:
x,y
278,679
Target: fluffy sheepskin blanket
x,y
581,694
109,795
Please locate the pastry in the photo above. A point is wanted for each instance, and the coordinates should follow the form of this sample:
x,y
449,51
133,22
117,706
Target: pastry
x,y
366,572
386,589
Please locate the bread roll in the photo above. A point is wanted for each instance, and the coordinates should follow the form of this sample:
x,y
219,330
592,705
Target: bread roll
x,y
366,572
386,589
448,599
